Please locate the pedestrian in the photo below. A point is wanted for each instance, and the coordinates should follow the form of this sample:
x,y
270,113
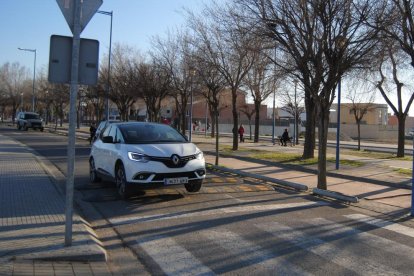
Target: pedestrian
x,y
92,132
284,138
241,133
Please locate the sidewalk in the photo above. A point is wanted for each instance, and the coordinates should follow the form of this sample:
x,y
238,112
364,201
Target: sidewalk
x,y
32,212
377,185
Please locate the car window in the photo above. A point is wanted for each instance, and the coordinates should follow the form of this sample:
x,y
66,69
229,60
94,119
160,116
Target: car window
x,y
106,131
150,133
31,116
118,136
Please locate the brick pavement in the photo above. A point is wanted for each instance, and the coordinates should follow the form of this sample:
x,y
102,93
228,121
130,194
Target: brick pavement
x,y
32,221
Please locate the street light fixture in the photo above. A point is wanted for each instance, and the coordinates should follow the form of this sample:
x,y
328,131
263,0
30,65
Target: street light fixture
x,y
34,75
109,64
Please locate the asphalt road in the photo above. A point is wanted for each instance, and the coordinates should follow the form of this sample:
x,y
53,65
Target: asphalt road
x,y
233,226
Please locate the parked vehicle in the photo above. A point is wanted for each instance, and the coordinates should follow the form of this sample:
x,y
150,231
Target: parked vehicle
x,y
26,120
142,155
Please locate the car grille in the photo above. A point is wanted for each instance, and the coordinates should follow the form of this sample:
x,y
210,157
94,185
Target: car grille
x,y
36,124
167,161
161,176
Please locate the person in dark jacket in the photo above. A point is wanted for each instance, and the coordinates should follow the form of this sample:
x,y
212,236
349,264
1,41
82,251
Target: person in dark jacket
x,y
241,133
92,132
284,138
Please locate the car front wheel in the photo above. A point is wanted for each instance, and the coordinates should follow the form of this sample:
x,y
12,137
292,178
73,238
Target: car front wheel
x,y
93,176
194,186
121,183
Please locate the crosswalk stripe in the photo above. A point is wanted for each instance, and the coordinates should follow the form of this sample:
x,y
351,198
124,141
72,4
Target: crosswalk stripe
x,y
326,250
172,258
401,229
225,210
252,254
364,237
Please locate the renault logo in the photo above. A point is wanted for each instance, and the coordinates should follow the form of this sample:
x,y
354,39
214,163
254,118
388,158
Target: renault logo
x,y
175,159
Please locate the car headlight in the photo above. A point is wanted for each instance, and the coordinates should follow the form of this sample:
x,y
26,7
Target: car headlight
x,y
139,157
199,155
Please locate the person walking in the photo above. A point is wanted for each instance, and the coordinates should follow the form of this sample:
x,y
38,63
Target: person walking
x,y
92,132
241,133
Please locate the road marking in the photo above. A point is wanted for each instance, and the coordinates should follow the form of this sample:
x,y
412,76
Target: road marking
x,y
347,232
250,254
401,229
172,258
327,250
218,211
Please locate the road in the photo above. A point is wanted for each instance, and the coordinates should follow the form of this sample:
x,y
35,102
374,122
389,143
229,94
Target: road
x,y
234,226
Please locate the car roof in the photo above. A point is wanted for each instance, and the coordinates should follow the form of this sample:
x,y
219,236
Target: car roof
x,y
137,123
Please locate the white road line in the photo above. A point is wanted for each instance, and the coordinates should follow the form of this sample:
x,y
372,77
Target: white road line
x,y
251,254
364,237
172,258
225,210
401,229
326,250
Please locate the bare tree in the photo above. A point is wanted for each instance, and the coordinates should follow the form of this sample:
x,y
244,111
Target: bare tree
x,y
362,101
391,65
320,41
14,79
176,54
249,112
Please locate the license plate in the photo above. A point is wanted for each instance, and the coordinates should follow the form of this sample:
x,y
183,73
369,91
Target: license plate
x,y
177,180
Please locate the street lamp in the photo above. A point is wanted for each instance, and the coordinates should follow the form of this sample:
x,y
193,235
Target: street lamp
x,y
109,64
338,124
192,72
34,74
295,111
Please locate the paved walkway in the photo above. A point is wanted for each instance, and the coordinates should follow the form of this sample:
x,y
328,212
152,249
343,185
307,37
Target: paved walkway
x,y
32,220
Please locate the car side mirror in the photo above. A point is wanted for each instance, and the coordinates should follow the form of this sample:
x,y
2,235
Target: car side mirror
x,y
108,139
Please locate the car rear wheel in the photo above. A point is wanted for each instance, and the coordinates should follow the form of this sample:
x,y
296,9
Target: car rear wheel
x,y
120,179
93,176
194,186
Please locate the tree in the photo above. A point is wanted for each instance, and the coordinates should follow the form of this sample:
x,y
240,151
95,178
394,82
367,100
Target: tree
x,y
229,47
14,83
362,101
246,110
390,65
319,41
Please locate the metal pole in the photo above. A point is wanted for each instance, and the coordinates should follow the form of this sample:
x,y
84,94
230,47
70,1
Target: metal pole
x,y
412,182
34,75
338,124
205,128
72,124
191,110
295,134
273,118
109,64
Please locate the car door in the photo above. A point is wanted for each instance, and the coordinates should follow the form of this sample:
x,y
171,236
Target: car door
x,y
111,150
102,151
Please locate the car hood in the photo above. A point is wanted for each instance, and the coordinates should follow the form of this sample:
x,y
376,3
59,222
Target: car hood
x,y
164,150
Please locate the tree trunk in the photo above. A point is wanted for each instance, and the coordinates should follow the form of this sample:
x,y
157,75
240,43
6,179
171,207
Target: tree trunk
x,y
401,135
359,135
309,146
323,138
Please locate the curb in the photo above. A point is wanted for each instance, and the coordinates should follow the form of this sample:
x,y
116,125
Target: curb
x,y
335,195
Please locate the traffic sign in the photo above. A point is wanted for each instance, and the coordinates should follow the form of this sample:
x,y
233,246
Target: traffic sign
x,y
88,9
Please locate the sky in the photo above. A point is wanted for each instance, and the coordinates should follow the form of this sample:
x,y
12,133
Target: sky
x,y
30,23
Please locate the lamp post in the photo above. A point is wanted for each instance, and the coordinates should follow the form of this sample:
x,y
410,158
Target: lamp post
x,y
273,117
338,124
21,101
192,72
34,74
109,64
295,111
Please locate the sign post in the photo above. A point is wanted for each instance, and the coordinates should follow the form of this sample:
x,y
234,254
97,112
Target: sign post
x,y
77,13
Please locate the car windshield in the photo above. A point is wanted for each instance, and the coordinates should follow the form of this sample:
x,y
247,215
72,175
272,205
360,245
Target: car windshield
x,y
31,116
150,133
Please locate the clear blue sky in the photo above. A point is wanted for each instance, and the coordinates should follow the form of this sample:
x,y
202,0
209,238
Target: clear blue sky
x,y
30,23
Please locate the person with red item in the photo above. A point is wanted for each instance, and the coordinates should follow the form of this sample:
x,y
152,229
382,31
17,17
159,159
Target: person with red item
x,y
241,133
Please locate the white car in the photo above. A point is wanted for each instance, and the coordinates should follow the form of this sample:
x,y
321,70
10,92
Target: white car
x,y
146,155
